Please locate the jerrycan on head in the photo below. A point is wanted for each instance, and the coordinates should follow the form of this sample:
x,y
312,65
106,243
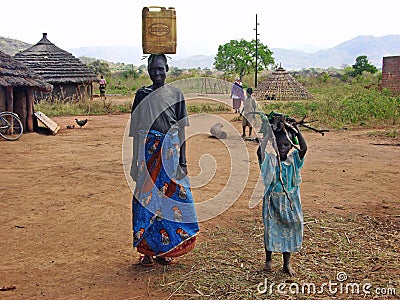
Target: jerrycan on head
x,y
158,30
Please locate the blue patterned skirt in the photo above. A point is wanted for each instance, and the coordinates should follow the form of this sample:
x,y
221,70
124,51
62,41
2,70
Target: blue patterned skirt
x,y
163,212
283,222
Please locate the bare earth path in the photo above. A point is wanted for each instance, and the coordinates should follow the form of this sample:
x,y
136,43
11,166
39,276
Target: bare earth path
x,y
65,211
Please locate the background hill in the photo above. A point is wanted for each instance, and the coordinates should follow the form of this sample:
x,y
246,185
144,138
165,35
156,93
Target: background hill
x,y
343,54
11,47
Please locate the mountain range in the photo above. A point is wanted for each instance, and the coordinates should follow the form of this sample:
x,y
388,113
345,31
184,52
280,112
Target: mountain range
x,y
375,48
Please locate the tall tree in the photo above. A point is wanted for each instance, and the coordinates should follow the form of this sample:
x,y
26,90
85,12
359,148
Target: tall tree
x,y
362,64
238,57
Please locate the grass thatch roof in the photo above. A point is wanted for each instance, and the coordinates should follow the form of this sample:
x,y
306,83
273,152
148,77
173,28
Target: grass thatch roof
x,y
16,74
54,64
280,85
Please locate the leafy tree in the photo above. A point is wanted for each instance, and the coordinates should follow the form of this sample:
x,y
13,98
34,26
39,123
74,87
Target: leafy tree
x,y
363,65
99,67
175,71
131,71
238,57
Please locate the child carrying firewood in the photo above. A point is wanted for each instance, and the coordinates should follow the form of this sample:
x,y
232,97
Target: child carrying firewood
x,y
282,212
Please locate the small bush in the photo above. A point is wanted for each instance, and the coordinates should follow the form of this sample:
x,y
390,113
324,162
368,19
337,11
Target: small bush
x,y
85,107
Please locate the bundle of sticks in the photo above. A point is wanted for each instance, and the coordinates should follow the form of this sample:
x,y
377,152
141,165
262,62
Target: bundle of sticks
x,y
279,121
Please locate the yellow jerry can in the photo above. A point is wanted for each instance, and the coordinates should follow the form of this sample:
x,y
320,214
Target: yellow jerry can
x,y
158,30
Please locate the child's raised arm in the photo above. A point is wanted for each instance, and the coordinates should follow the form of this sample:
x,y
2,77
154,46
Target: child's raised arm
x,y
302,144
263,144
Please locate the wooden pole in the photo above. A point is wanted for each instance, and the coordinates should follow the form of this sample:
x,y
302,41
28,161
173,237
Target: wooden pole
x,y
256,71
91,91
29,109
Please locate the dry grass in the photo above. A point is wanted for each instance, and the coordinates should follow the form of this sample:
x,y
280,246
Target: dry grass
x,y
228,265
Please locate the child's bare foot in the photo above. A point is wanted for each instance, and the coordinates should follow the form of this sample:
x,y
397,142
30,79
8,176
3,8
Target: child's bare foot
x,y
286,264
288,270
268,266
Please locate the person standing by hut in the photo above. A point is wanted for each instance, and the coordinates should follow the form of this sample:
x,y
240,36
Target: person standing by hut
x,y
102,87
164,217
237,95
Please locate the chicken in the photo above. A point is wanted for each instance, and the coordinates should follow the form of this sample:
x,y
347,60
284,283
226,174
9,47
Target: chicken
x,y
81,123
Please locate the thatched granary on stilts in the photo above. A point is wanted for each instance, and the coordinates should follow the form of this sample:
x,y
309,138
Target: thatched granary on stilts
x,y
71,79
280,85
17,86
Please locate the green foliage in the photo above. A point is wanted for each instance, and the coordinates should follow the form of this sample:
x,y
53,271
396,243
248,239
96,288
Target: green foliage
x,y
175,71
207,108
99,67
123,83
337,104
362,65
238,57
85,107
394,133
131,71
324,77
340,104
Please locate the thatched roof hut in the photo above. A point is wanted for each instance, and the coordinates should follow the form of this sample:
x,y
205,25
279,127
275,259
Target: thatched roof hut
x,y
71,79
17,84
280,85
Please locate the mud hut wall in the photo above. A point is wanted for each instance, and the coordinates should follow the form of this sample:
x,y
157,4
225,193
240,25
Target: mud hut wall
x,y
6,98
29,109
72,91
3,101
85,90
19,106
391,74
22,104
64,91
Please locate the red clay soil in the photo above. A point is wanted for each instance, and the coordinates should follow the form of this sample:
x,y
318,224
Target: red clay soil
x,y
66,206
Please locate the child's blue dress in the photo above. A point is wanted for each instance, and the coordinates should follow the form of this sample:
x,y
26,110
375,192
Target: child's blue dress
x,y
283,217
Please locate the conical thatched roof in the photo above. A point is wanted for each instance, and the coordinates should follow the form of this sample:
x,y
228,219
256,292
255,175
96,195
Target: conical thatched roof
x,y
16,74
280,85
54,64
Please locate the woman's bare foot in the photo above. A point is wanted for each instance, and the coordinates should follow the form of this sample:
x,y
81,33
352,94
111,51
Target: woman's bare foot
x,y
288,270
268,266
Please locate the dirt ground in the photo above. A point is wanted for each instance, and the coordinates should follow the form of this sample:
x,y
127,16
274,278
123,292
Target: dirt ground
x,y
66,206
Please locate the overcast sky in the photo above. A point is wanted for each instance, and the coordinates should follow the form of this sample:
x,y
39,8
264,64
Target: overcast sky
x,y
202,25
